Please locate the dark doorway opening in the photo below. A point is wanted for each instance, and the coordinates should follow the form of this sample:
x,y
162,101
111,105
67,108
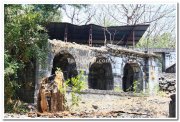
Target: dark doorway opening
x,y
133,78
100,75
67,63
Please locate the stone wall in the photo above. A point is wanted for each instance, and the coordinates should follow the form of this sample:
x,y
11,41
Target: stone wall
x,y
85,57
167,82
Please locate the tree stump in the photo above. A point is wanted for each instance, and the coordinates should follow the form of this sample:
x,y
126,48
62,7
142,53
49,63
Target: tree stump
x,y
50,97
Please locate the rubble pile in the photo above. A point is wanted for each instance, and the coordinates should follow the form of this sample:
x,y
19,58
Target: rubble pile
x,y
167,82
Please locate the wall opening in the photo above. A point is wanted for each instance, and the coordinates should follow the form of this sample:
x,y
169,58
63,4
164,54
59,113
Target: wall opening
x,y
100,75
132,78
67,63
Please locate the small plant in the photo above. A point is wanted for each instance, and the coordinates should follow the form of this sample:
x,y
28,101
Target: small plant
x,y
78,84
117,89
135,86
159,92
162,93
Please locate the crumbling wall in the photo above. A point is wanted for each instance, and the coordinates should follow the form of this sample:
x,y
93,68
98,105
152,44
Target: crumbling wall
x,y
86,56
167,82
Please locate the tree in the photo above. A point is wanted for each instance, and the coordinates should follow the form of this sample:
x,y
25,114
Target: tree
x,y
161,41
25,41
160,17
79,14
50,12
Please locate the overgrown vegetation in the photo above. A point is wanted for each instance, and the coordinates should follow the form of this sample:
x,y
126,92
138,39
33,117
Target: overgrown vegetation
x,y
25,39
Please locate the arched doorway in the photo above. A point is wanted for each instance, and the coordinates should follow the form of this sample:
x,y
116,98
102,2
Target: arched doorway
x,y
100,75
67,63
132,78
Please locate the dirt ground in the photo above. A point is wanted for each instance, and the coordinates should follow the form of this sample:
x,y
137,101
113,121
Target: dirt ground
x,y
126,107
110,106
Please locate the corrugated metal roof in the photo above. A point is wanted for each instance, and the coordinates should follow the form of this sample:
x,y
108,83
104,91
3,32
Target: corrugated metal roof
x,y
123,35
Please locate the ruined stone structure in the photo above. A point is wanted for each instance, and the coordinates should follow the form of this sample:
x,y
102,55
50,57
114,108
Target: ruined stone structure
x,y
106,67
167,82
168,56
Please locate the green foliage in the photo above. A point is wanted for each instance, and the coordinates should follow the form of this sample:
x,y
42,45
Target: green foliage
x,y
161,41
158,92
50,12
135,86
77,83
77,86
17,106
25,36
10,73
25,39
117,89
20,107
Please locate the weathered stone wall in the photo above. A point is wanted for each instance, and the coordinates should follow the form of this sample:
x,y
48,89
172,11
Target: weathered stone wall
x,y
167,82
85,56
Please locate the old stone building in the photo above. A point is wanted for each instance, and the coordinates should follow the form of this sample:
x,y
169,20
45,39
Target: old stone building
x,y
106,55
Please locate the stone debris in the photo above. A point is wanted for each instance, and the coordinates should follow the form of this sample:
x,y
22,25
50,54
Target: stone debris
x,y
57,44
167,82
95,106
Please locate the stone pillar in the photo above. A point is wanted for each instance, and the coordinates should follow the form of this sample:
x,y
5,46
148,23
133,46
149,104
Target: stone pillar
x,y
146,72
172,106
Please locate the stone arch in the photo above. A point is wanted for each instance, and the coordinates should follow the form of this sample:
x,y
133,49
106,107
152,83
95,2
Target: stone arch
x,y
67,63
131,73
100,75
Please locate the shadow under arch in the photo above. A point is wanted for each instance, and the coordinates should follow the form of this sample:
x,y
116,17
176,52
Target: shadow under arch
x,y
67,63
100,75
132,73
